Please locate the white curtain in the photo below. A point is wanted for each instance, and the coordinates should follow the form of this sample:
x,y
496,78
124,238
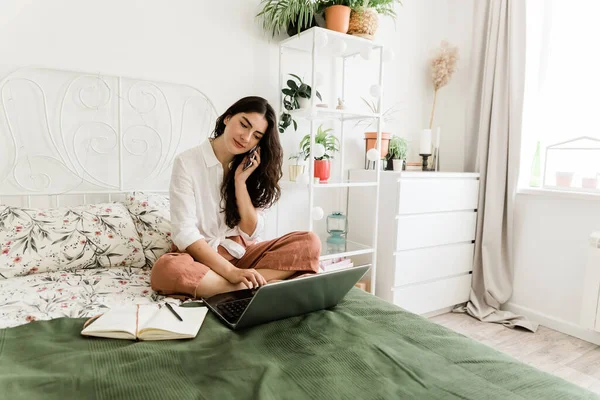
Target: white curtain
x,y
493,149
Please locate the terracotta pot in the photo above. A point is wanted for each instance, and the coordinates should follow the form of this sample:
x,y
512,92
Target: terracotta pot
x,y
337,18
371,142
322,170
364,23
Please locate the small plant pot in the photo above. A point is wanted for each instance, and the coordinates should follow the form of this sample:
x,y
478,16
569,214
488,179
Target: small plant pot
x,y
322,170
295,170
589,183
564,179
398,165
364,23
303,102
337,18
371,142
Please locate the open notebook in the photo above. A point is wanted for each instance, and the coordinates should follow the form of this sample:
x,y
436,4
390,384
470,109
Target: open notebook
x,y
147,322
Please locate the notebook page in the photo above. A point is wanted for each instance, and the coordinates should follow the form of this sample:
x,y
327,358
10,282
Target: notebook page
x,y
145,314
164,320
121,319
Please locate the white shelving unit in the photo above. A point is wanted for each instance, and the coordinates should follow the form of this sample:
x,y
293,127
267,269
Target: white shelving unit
x,y
317,42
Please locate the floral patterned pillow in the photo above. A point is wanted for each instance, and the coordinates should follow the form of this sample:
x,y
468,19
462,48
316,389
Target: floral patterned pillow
x,y
152,218
89,236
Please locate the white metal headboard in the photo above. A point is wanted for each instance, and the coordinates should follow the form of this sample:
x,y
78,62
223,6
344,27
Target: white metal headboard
x,y
65,134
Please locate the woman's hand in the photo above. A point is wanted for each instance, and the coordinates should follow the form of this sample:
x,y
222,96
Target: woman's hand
x,y
240,174
249,277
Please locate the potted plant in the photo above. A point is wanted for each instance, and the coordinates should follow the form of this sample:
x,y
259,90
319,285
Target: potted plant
x,y
297,167
292,16
330,145
396,155
371,136
296,95
337,14
364,18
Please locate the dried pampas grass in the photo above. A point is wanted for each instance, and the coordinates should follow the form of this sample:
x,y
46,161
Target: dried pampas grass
x,y
443,65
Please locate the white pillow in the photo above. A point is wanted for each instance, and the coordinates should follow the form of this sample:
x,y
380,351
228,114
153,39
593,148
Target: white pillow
x,y
151,215
89,236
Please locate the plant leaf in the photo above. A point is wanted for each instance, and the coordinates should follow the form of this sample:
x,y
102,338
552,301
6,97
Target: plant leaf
x,y
292,84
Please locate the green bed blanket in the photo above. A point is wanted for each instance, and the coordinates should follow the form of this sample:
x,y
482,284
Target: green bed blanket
x,y
362,349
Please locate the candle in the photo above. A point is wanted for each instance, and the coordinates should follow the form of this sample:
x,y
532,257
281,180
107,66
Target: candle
x,y
425,147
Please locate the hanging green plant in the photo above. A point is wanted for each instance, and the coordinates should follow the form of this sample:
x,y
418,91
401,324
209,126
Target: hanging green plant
x,y
292,93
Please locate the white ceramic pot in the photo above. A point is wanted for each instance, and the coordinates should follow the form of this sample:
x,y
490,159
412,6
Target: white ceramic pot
x,y
398,164
304,103
295,170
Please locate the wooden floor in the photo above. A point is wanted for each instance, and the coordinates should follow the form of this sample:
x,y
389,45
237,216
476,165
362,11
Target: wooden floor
x,y
570,358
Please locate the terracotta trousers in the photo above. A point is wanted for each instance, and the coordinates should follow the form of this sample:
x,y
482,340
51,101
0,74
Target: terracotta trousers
x,y
178,274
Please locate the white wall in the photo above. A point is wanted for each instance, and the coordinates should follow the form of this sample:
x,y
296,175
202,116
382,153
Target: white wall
x,y
420,27
551,244
220,48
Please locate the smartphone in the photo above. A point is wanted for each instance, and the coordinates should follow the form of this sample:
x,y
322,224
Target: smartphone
x,y
250,158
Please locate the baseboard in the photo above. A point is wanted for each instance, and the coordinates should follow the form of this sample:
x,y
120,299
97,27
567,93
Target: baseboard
x,y
435,313
557,324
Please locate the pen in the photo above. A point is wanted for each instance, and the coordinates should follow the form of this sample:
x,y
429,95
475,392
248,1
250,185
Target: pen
x,y
173,311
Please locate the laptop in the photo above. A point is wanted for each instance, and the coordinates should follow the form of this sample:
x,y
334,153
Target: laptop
x,y
249,307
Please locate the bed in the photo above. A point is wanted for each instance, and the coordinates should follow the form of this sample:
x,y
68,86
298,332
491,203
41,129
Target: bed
x,y
83,216
364,348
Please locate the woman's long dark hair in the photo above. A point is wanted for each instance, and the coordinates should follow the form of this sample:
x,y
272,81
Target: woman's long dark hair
x,y
263,183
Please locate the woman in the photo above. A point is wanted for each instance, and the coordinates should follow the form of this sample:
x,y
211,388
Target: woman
x,y
218,191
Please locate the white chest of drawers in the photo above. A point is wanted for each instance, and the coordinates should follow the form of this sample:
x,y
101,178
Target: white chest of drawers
x,y
426,234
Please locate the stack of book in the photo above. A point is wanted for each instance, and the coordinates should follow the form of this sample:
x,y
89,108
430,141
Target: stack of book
x,y
334,264
364,284
414,166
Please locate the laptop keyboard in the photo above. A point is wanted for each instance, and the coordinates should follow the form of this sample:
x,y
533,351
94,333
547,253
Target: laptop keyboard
x,y
232,310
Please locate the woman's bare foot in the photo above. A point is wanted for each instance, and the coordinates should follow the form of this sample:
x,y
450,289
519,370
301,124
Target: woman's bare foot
x,y
213,283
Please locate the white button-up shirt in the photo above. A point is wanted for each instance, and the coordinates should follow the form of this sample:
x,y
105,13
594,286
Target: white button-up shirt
x,y
195,194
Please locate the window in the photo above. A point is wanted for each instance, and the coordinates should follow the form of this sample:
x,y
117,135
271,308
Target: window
x,y
561,131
